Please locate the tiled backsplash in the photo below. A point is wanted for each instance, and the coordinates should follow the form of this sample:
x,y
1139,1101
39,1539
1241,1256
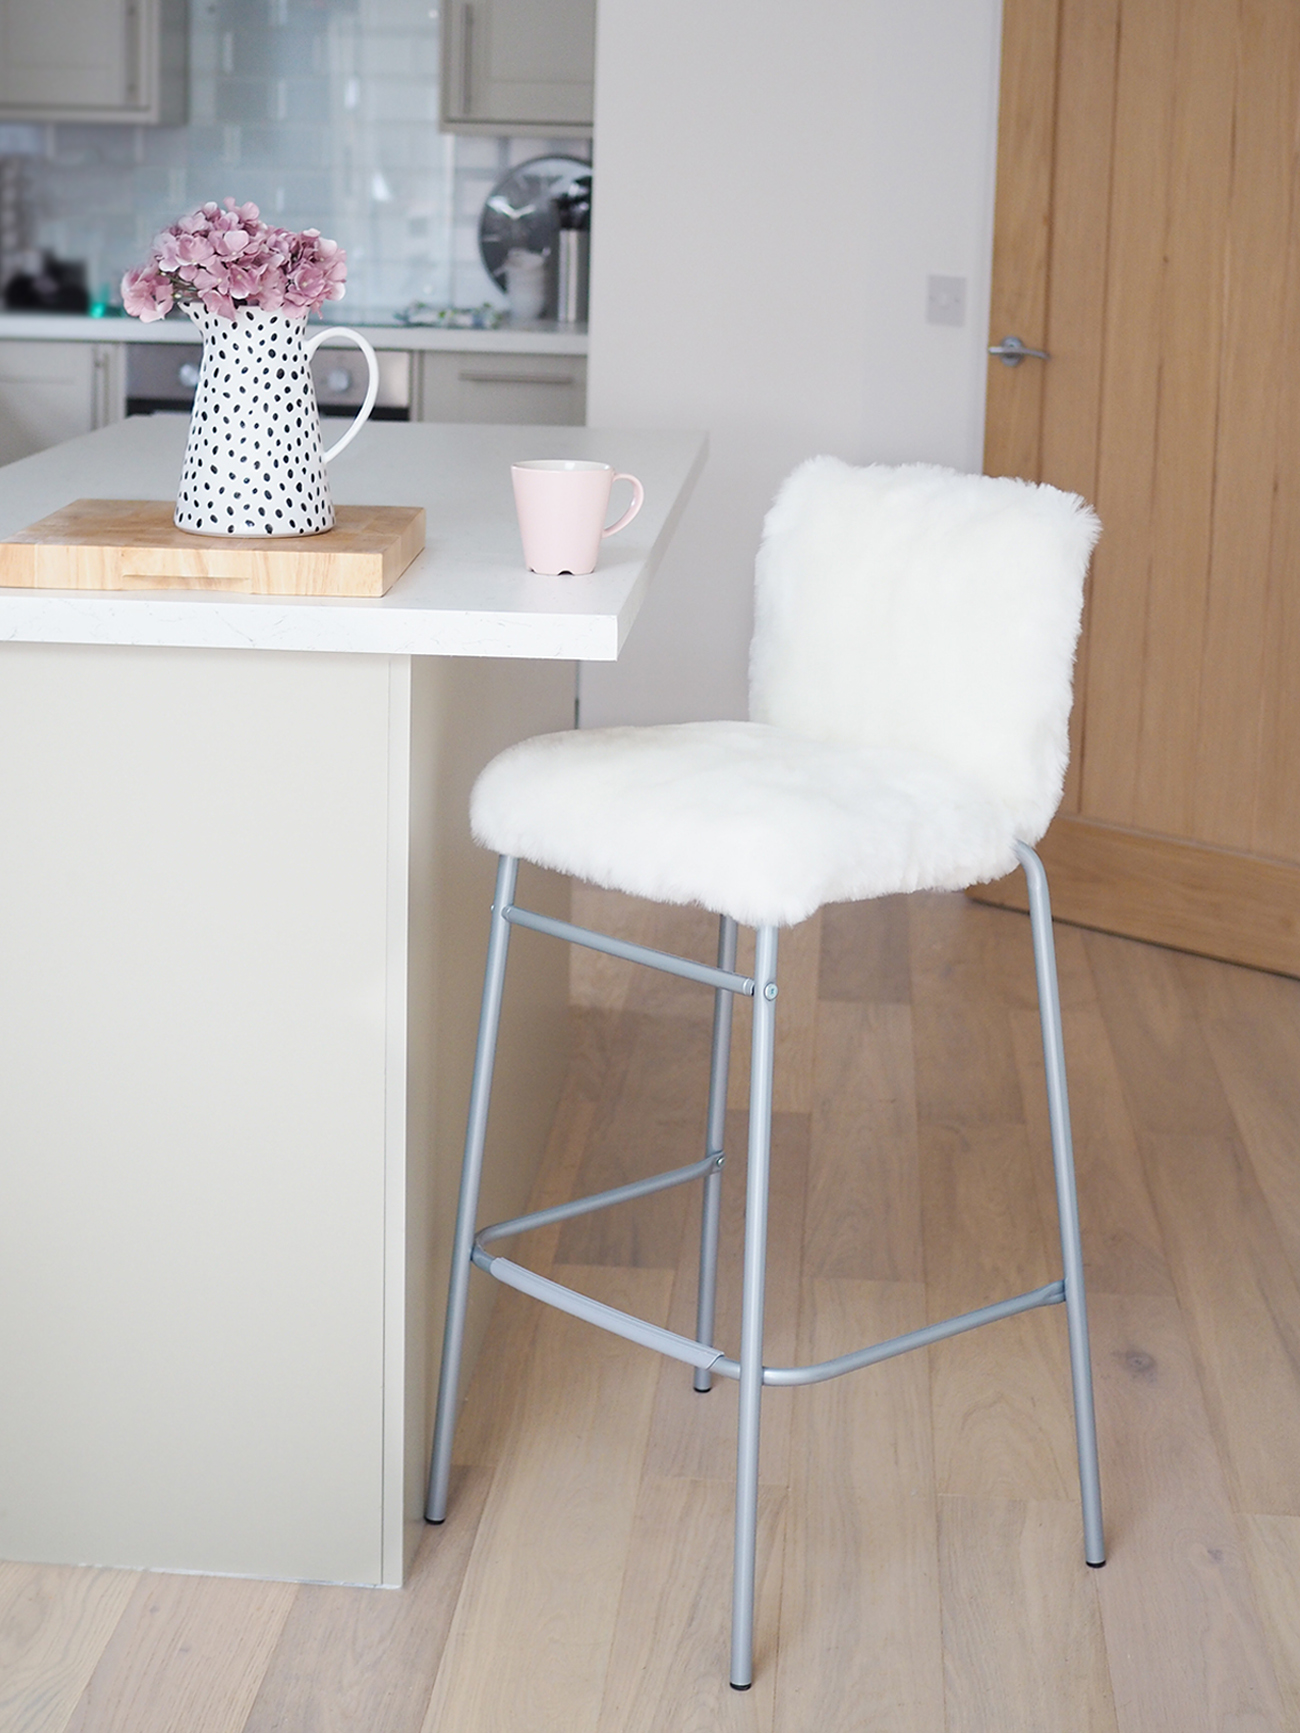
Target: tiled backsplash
x,y
325,114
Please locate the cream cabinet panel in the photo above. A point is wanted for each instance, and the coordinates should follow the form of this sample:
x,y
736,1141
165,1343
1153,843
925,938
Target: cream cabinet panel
x,y
519,390
54,391
518,65
93,60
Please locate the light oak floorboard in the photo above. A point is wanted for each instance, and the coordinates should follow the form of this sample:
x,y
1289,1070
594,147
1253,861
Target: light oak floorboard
x,y
1273,1554
672,1643
367,1658
864,1204
864,952
187,1652
1123,1252
1257,1055
55,1622
860,1618
1186,1649
1003,1423
1159,1045
1022,1636
1241,1305
531,1636
965,1063
650,1120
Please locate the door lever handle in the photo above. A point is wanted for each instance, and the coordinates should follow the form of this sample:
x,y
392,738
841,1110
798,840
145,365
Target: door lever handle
x,y
1011,352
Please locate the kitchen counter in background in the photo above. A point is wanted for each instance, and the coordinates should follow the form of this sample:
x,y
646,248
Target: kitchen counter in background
x,y
383,332
62,375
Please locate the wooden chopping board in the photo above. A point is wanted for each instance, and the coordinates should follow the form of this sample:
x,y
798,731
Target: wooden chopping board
x,y
132,544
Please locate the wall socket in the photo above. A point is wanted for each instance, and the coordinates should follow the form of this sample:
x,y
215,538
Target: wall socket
x,y
945,300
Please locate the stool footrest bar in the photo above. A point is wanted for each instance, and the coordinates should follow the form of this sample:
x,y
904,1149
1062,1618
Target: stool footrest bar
x,y
686,967
1052,1295
579,1206
594,1312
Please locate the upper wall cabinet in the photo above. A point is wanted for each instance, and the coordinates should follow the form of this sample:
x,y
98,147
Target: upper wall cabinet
x,y
100,60
517,66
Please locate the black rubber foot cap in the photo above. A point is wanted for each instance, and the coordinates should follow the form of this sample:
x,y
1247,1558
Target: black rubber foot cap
x,y
435,1521
741,1687
1099,1566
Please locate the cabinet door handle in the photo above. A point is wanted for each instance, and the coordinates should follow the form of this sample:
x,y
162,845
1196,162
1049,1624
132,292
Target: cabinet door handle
x,y
466,60
131,21
475,378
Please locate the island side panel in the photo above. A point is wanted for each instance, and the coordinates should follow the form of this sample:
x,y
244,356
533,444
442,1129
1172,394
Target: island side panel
x,y
194,952
462,712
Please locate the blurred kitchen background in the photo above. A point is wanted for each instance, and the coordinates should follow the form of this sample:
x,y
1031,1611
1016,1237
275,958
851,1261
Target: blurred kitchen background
x,y
325,113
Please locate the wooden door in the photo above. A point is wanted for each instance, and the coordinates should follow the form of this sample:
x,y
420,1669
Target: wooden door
x,y
1148,237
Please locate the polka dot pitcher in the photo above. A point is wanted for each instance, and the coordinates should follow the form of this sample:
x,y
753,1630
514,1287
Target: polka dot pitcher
x,y
254,464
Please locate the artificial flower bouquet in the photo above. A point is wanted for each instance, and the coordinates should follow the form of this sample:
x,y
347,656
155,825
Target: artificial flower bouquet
x,y
226,257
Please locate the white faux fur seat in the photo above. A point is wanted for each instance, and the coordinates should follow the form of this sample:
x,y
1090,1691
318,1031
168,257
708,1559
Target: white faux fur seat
x,y
745,819
910,680
909,693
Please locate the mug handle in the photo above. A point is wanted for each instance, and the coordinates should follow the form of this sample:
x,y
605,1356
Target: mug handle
x,y
372,390
638,500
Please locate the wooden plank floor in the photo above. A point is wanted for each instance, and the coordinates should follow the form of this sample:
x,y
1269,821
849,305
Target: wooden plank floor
x,y
920,1555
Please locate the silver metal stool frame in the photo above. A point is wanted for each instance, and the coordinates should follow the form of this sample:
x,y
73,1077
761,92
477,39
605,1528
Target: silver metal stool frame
x,y
700,1352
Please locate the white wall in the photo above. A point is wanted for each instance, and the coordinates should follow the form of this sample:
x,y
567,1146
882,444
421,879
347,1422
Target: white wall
x,y
775,182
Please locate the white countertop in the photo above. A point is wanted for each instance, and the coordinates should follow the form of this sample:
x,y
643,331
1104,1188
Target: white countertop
x,y
467,594
540,339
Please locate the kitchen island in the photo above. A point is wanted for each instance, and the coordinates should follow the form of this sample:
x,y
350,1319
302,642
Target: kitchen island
x,y
241,939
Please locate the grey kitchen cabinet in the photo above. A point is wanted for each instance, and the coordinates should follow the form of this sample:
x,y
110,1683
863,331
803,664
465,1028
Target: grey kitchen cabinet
x,y
54,391
523,390
518,66
93,60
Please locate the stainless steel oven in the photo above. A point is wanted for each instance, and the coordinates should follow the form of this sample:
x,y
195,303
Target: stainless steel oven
x,y
162,377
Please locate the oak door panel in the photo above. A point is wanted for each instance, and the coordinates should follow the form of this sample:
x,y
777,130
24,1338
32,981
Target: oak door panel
x,y
1145,236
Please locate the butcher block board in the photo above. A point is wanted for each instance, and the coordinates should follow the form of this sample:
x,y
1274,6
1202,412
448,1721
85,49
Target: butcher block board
x,y
132,544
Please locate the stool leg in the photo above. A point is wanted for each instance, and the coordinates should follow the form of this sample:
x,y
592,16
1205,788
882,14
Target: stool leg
x,y
1058,1106
751,1321
470,1173
706,1306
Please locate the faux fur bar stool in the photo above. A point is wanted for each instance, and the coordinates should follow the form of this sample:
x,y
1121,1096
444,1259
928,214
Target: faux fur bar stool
x,y
910,690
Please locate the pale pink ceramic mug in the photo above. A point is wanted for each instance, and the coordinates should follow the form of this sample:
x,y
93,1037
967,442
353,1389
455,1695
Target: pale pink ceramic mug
x,y
562,503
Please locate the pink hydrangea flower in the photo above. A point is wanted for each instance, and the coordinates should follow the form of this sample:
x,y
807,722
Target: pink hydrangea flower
x,y
147,294
226,257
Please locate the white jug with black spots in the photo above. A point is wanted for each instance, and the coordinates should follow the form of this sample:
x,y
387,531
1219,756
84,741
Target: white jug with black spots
x,y
254,464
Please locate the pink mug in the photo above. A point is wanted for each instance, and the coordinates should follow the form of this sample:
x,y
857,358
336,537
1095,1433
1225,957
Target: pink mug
x,y
562,502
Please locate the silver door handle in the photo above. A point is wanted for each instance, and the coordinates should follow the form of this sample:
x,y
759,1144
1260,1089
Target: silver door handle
x,y
1011,352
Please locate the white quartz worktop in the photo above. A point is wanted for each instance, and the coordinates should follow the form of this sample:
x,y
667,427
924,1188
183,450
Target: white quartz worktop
x,y
539,339
467,594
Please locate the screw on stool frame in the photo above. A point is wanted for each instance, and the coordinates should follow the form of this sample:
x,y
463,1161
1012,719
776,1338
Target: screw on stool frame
x,y
749,1369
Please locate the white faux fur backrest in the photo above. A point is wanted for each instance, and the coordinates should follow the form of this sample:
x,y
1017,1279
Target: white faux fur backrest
x,y
929,610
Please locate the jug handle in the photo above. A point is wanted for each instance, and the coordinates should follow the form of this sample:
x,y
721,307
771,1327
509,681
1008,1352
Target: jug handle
x,y
372,389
